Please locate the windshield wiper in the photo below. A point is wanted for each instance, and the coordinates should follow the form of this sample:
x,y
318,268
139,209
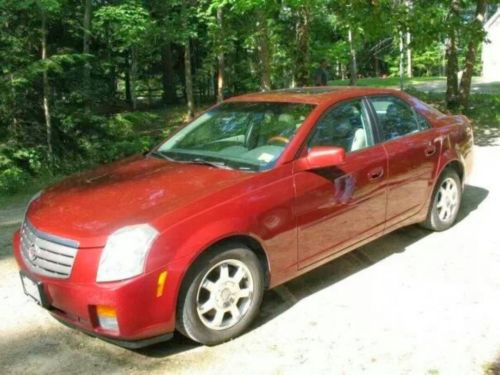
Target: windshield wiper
x,y
216,164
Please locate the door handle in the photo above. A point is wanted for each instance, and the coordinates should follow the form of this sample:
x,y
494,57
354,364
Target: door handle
x,y
376,173
430,149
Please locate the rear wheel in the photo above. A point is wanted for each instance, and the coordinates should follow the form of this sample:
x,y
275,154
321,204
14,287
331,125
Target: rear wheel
x,y
221,295
446,200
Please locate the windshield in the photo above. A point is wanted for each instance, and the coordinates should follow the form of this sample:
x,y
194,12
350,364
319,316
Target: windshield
x,y
245,136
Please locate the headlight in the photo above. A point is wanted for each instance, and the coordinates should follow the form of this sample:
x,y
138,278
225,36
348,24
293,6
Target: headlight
x,y
125,252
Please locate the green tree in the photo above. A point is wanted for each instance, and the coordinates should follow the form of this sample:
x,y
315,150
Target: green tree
x,y
126,26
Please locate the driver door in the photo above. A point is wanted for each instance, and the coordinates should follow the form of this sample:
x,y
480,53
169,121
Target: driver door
x,y
340,206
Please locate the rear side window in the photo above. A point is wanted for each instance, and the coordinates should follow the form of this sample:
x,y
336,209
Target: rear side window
x,y
396,118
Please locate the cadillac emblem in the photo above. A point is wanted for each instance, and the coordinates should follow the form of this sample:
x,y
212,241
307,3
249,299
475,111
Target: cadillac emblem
x,y
32,252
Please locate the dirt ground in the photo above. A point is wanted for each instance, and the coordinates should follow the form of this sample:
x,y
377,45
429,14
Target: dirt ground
x,y
413,302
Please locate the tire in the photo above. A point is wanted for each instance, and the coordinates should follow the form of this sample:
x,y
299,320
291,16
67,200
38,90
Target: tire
x,y
445,204
222,284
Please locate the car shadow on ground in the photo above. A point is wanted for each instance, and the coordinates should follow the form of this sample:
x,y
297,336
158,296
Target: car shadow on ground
x,y
280,299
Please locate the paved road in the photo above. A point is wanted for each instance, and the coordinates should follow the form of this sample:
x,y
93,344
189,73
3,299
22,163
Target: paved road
x,y
413,302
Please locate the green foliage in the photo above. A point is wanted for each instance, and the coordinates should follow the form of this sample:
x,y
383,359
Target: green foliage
x,y
12,179
126,24
426,62
17,165
110,101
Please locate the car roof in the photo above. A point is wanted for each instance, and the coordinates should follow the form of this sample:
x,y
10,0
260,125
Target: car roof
x,y
312,95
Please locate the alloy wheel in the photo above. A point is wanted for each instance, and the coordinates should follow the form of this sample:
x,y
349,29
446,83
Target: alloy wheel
x,y
447,200
225,294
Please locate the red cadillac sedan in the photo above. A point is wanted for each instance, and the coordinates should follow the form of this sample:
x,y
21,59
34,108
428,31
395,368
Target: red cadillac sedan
x,y
252,193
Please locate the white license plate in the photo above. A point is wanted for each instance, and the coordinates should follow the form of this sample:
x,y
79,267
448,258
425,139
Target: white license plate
x,y
31,289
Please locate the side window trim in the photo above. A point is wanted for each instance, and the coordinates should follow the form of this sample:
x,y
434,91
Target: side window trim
x,y
374,122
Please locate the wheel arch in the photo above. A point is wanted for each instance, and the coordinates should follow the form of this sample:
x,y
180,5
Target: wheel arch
x,y
455,165
242,239
254,245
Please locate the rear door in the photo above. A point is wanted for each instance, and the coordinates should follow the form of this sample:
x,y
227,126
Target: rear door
x,y
413,148
339,206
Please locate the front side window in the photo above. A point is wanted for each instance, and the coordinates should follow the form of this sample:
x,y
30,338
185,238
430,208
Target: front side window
x,y
245,136
346,125
395,117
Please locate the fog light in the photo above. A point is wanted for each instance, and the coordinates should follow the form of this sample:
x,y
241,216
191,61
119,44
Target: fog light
x,y
106,316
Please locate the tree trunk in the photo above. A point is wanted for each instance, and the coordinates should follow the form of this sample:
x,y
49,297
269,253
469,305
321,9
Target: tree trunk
x,y
15,122
376,65
451,72
220,55
128,95
353,67
132,77
112,70
401,61
46,92
302,56
188,74
86,46
470,59
409,68
263,51
451,57
189,81
168,83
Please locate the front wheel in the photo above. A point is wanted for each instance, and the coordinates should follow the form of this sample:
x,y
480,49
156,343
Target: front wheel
x,y
221,295
446,200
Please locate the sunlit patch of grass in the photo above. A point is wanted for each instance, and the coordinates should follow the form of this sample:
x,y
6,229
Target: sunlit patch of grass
x,y
386,82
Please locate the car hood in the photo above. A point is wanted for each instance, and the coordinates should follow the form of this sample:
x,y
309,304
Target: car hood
x,y
89,206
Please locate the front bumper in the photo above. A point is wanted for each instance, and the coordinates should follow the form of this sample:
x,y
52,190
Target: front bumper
x,y
129,344
143,316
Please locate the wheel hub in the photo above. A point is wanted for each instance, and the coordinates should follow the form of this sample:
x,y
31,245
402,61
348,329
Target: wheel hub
x,y
225,294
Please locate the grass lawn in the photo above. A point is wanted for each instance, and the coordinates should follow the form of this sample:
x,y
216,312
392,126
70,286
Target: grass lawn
x,y
387,82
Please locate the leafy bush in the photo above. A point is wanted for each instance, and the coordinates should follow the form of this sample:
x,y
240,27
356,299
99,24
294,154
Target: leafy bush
x,y
18,165
12,179
82,140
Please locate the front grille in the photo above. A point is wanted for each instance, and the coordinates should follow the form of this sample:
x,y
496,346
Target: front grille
x,y
46,254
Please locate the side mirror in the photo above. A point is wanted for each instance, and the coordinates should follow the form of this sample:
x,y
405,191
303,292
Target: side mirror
x,y
322,157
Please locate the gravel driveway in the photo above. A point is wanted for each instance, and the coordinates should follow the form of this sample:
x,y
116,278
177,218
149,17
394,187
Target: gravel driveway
x,y
412,302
